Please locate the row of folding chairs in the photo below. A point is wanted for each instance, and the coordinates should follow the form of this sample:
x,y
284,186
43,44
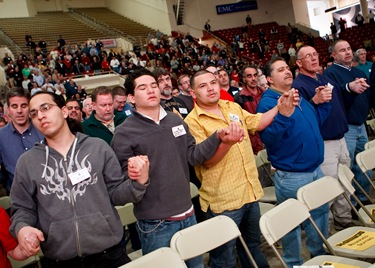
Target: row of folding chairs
x,y
288,215
192,242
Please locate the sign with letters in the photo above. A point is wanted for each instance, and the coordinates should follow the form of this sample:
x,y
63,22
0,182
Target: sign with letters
x,y
237,7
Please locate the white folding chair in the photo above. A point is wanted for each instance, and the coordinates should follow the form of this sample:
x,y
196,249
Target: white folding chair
x,y
346,177
207,235
127,217
370,144
285,217
194,192
5,202
261,159
366,161
320,192
265,207
162,257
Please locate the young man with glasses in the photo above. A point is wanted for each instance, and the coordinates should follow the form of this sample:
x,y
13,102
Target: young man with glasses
x,y
64,192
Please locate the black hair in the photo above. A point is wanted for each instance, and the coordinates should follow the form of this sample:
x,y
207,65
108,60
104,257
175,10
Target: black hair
x,y
129,82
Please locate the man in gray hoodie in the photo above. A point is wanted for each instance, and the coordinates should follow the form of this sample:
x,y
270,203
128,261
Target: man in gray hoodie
x,y
64,191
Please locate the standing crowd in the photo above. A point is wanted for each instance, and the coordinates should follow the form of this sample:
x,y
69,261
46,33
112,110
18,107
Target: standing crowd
x,y
68,158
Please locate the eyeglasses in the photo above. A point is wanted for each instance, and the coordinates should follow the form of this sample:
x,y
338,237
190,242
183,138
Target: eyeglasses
x,y
308,56
42,108
77,108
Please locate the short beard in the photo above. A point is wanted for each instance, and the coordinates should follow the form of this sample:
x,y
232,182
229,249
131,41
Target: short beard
x,y
166,92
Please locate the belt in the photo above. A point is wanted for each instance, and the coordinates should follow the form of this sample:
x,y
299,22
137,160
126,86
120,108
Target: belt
x,y
182,217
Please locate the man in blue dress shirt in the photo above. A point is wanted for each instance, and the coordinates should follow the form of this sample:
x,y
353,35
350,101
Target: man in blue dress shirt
x,y
18,136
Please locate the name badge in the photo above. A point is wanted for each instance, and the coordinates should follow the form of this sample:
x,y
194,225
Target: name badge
x,y
128,112
183,110
178,131
78,176
234,118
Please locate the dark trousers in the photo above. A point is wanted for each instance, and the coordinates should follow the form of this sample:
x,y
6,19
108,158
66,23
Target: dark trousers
x,y
109,258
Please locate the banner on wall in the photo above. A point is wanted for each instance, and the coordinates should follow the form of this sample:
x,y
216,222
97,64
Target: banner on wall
x,y
237,7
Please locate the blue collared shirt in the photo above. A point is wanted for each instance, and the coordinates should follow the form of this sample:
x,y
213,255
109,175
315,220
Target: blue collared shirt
x,y
13,144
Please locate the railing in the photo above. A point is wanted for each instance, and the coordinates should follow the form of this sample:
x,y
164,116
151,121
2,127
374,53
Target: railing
x,y
16,49
108,28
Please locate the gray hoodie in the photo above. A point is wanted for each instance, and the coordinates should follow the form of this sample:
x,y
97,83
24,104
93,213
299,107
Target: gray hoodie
x,y
77,220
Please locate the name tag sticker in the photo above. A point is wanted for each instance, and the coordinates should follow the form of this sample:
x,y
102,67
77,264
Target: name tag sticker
x,y
78,176
178,131
234,118
127,112
183,110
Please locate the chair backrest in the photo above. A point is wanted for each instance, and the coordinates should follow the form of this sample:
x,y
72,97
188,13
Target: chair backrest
x,y
205,236
319,192
370,144
264,156
258,161
194,192
366,159
126,214
346,176
283,218
5,202
162,257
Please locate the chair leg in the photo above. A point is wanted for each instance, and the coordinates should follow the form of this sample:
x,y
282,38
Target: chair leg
x,y
248,252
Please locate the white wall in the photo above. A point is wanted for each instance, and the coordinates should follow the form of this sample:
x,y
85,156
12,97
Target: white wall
x,y
14,8
61,5
152,13
197,12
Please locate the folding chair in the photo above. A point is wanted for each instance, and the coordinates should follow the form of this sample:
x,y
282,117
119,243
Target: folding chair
x,y
346,177
265,207
162,257
369,144
285,217
127,217
320,192
207,235
261,160
194,192
366,161
5,202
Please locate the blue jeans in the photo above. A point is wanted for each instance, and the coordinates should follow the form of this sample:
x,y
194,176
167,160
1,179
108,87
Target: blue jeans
x,y
286,186
247,219
355,139
155,234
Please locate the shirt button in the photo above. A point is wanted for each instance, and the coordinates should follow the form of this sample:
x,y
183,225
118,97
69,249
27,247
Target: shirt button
x,y
26,149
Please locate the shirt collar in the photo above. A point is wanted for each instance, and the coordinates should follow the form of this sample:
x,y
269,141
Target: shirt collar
x,y
343,66
16,131
162,114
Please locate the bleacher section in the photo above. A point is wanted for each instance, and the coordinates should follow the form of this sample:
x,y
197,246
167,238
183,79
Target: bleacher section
x,y
116,21
48,26
228,35
361,37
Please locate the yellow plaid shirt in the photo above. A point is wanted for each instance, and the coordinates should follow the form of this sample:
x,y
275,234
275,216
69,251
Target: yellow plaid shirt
x,y
233,181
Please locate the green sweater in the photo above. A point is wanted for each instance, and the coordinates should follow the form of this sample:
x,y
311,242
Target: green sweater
x,y
94,128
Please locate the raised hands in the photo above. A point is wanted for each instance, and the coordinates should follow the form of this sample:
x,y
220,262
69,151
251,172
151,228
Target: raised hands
x,y
359,85
322,94
231,135
29,239
288,102
138,167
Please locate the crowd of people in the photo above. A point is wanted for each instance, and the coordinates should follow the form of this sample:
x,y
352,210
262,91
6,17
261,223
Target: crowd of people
x,y
186,112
